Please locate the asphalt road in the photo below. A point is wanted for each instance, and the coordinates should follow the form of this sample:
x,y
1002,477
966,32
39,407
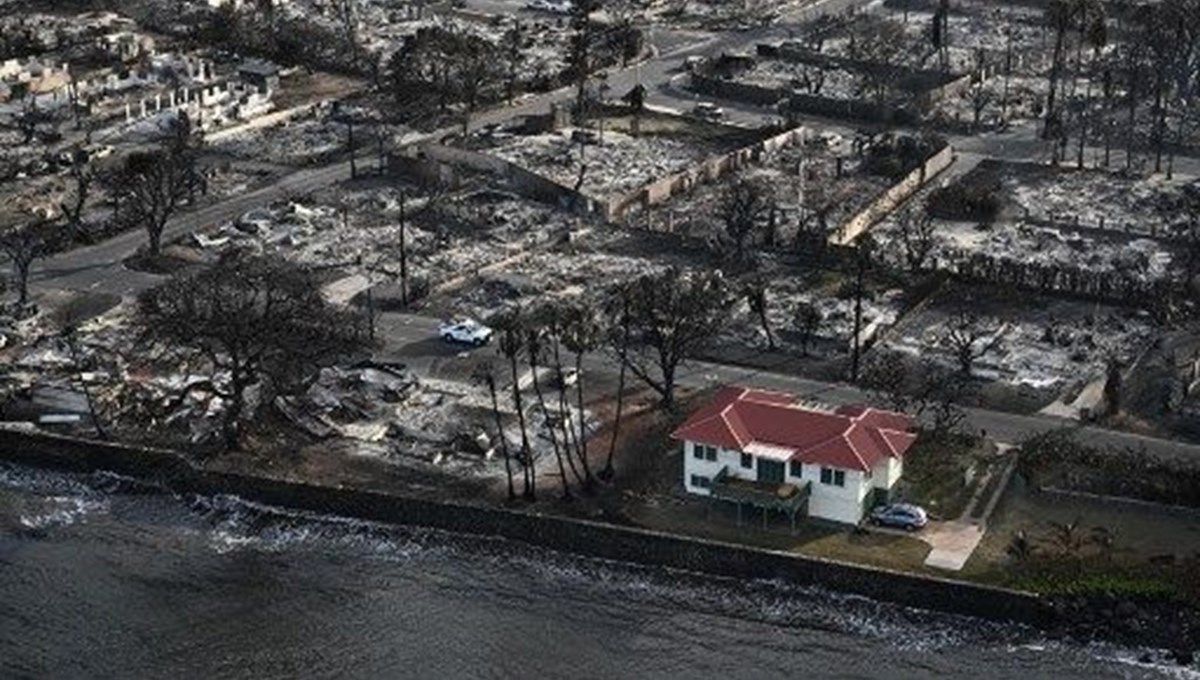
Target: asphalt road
x,y
413,338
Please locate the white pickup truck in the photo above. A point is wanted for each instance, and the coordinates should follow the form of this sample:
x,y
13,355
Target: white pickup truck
x,y
465,331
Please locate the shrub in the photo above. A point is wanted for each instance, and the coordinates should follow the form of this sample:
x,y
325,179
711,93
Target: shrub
x,y
966,200
895,157
1055,458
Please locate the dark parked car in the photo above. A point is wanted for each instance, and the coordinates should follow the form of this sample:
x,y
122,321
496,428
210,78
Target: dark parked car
x,y
900,515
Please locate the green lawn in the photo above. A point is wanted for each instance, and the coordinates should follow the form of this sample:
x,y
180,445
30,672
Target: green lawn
x,y
934,473
813,538
1149,550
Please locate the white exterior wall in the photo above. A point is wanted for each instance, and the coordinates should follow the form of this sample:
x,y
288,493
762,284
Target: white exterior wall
x,y
837,503
834,503
726,458
887,472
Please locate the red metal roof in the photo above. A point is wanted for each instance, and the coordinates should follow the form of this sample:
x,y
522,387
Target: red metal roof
x,y
854,436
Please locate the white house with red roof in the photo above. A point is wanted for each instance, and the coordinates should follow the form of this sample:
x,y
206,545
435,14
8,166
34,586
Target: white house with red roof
x,y
763,448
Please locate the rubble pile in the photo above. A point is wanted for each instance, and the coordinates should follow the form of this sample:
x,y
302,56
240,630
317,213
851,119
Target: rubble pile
x,y
1087,220
1095,198
786,294
1060,344
1023,98
803,181
834,83
615,162
356,403
973,26
447,236
382,26
298,141
550,275
1141,258
715,14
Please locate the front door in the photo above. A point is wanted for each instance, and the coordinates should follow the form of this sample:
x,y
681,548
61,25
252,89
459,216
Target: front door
x,y
770,471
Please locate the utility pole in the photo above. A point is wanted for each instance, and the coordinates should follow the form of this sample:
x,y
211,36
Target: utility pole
x,y
350,144
403,256
340,114
862,260
379,145
1008,58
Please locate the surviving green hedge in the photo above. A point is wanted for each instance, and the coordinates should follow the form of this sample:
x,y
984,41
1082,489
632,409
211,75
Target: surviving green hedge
x,y
1057,459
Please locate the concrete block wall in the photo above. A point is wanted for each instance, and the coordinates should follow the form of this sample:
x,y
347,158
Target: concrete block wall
x,y
891,198
707,170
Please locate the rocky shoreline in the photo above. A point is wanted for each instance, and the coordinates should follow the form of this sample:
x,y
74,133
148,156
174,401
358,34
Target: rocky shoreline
x,y
1159,623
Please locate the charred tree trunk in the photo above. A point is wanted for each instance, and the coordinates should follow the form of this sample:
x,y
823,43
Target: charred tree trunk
x,y
512,492
529,492
541,397
588,480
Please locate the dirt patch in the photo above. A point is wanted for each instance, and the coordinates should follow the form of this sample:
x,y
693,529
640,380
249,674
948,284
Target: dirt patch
x,y
1046,343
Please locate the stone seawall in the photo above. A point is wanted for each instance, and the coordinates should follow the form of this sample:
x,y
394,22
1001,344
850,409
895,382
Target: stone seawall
x,y
570,535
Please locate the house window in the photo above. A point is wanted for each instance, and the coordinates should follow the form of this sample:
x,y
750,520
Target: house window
x,y
702,482
795,468
833,477
710,453
697,452
747,461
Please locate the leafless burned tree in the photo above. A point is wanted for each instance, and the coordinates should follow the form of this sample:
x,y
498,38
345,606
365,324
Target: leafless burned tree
x,y
249,322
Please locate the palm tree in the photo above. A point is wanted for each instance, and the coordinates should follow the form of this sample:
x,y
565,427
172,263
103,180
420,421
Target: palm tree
x,y
1060,15
1020,547
485,374
510,324
535,333
622,319
1093,30
1066,536
569,445
756,297
580,335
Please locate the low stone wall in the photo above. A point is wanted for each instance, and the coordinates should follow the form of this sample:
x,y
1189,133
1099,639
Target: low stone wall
x,y
928,85
748,93
790,101
578,536
887,201
848,109
923,88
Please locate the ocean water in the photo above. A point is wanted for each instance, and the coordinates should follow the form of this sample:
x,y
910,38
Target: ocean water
x,y
104,577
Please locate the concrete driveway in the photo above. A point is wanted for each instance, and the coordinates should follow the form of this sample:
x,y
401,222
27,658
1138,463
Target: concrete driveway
x,y
952,542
